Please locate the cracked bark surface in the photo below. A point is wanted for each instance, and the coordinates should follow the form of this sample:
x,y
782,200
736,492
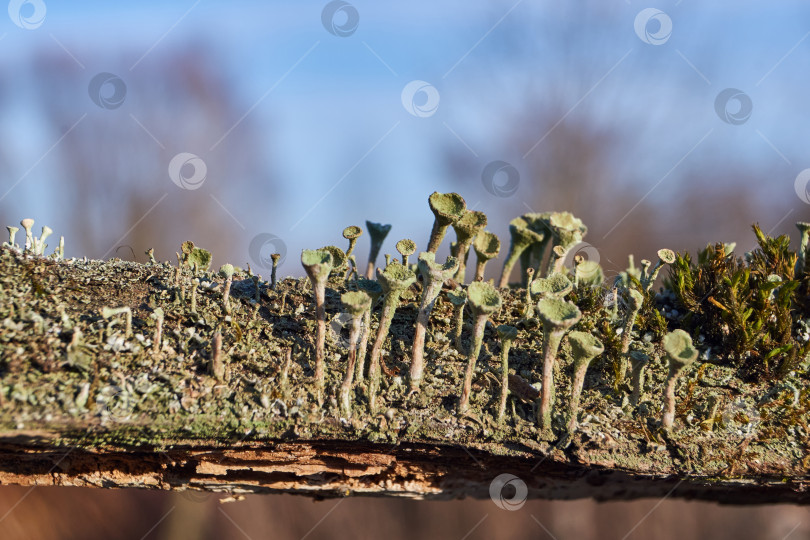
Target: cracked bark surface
x,y
331,469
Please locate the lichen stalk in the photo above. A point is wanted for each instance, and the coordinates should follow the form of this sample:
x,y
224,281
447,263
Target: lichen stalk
x,y
394,280
217,367
638,361
584,347
507,334
346,386
472,357
680,353
434,276
275,257
550,347
374,290
357,303
378,232
558,317
521,238
636,300
484,300
318,264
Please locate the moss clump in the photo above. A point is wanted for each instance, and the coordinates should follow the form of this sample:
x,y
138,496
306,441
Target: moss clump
x,y
745,307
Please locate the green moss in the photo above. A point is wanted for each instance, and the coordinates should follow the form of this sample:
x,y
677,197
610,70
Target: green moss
x,y
747,308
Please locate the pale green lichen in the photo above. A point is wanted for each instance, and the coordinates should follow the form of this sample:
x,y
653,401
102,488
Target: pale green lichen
x,y
484,300
318,264
357,303
378,232
680,353
393,280
558,316
467,227
433,277
522,237
447,208
507,335
584,348
487,246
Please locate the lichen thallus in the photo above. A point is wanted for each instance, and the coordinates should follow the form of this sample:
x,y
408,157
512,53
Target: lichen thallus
x,y
547,280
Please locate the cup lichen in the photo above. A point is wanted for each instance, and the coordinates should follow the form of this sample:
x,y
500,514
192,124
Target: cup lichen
x,y
487,246
521,237
357,304
318,264
406,247
467,227
558,316
507,335
680,353
447,208
374,290
458,298
584,348
393,280
378,232
433,276
484,300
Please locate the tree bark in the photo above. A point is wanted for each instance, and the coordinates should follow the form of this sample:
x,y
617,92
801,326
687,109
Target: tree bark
x,y
261,430
339,468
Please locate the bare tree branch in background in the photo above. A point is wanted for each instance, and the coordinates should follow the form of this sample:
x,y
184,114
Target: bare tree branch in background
x,y
113,170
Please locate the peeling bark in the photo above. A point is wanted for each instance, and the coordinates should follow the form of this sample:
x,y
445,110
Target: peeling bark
x,y
332,469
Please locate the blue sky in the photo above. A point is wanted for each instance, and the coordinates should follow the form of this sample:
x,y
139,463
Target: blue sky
x,y
340,128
